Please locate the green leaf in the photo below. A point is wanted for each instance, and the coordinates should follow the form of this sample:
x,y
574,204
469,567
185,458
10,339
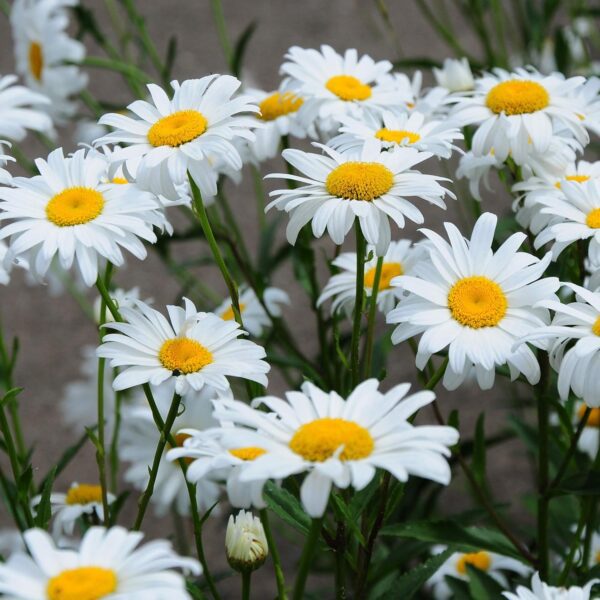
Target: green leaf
x,y
44,507
286,507
240,48
10,396
458,587
482,586
344,514
117,505
170,57
581,484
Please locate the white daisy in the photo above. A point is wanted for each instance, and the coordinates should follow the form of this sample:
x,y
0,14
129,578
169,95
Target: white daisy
x,y
455,75
589,441
400,259
11,541
122,298
82,499
586,99
475,169
194,348
253,312
140,438
5,176
369,184
456,566
106,565
542,591
517,112
333,85
68,212
411,96
342,442
393,130
476,303
18,112
245,542
594,559
42,47
168,138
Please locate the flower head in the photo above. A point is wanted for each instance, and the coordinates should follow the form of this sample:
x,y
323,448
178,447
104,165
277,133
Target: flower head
x,y
246,542
455,75
542,591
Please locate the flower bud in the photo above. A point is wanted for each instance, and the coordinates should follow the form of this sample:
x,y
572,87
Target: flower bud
x,y
455,76
245,542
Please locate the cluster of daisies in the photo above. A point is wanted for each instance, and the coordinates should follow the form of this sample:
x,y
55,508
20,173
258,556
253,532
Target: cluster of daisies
x,y
484,307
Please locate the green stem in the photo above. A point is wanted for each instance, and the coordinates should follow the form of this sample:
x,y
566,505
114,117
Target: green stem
x,y
114,444
279,577
543,472
219,17
259,191
246,581
308,552
575,544
371,319
358,304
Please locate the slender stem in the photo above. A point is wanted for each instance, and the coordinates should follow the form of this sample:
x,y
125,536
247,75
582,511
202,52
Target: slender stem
x,y
158,455
575,544
231,222
279,577
340,561
259,191
114,444
371,319
358,304
219,17
246,581
543,472
308,552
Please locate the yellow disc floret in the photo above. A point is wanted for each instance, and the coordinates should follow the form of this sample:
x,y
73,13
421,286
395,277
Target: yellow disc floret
x,y
83,583
228,314
278,105
178,128
593,419
388,272
359,181
397,136
74,206
480,560
517,97
184,355
477,302
347,87
320,439
248,452
596,327
593,219
119,180
36,60
84,493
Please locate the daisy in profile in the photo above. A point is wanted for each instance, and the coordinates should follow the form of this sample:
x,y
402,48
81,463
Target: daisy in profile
x,y
455,75
5,176
169,137
68,212
456,566
367,184
122,298
108,564
192,348
333,85
398,130
140,437
413,97
542,591
42,49
589,441
19,110
476,303
517,112
400,259
82,500
339,441
253,312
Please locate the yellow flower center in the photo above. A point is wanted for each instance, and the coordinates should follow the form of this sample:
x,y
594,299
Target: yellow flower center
x,y
593,419
359,181
593,219
183,355
119,180
84,494
36,60
517,97
598,557
178,128
477,302
83,583
278,105
74,206
480,560
596,327
388,272
347,87
577,178
397,136
318,440
228,312
248,452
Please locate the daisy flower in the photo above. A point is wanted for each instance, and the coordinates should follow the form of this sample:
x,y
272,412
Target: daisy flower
x,y
333,85
67,212
17,112
589,441
579,320
594,548
517,112
253,312
167,138
42,49
245,542
477,169
393,130
455,75
542,591
193,348
106,565
401,258
573,216
140,437
476,303
82,499
341,441
456,566
5,176
367,184
412,96
122,298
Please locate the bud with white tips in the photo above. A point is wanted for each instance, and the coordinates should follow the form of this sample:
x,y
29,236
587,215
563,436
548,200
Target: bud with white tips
x,y
245,542
455,75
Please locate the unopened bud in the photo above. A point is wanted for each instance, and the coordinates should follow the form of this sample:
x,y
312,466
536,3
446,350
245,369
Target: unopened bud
x,y
245,542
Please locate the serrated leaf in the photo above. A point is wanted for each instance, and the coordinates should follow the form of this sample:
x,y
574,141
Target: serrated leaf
x,y
344,514
286,507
